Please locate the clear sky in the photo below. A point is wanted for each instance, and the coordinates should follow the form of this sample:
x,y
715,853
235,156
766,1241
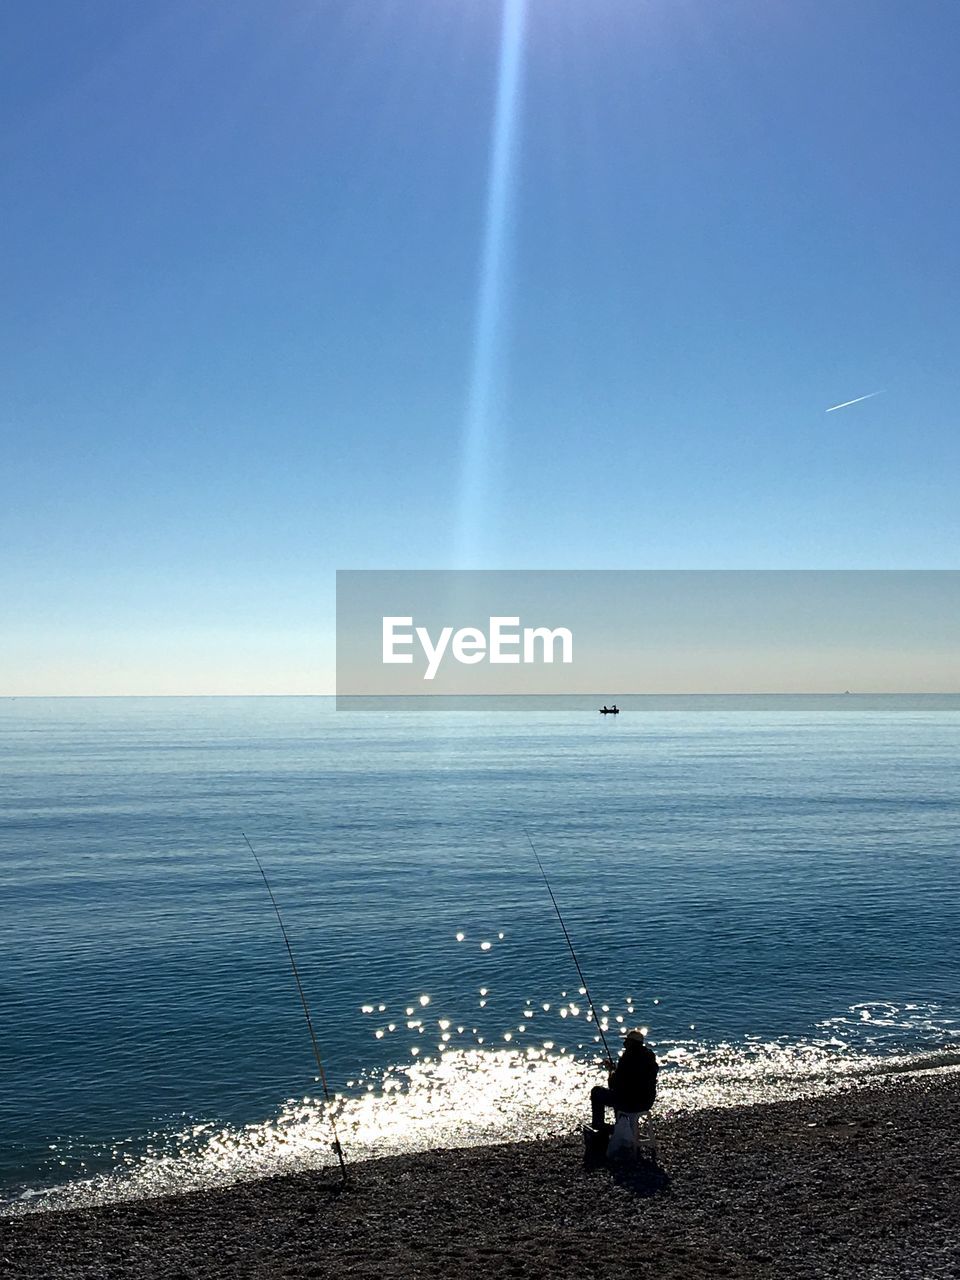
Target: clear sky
x,y
315,284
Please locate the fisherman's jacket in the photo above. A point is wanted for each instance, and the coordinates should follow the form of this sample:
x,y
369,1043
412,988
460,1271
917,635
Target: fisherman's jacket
x,y
633,1082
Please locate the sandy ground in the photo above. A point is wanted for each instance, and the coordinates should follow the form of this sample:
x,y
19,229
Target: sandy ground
x,y
863,1184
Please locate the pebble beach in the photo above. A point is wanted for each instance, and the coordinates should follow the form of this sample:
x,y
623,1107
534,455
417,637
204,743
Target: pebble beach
x,y
860,1183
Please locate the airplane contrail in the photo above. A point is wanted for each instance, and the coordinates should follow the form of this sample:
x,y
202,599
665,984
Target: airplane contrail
x,y
833,408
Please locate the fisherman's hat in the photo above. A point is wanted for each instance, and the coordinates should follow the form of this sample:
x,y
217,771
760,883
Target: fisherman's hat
x,y
635,1036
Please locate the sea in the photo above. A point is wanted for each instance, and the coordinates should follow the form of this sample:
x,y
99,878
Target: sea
x,y
767,885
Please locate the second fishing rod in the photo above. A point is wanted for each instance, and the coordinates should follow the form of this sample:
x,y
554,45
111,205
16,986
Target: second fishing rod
x,y
306,1013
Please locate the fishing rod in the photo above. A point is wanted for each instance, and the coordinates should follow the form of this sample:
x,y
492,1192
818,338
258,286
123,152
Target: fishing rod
x,y
583,980
306,1013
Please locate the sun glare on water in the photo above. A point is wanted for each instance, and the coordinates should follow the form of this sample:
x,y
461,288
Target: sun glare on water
x,y
456,1093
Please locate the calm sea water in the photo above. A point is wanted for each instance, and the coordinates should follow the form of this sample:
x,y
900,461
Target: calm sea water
x,y
769,885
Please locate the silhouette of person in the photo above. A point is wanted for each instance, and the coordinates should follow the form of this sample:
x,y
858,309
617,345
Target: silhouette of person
x,y
631,1084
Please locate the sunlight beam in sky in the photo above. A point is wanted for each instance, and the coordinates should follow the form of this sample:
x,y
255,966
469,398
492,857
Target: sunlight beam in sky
x,y
479,414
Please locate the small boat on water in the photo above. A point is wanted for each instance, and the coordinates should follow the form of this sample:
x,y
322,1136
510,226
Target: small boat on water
x,y
610,711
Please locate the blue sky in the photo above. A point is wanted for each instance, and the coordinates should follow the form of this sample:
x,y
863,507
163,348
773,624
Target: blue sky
x,y
242,258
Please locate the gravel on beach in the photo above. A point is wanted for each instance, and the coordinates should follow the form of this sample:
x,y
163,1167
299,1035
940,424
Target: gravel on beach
x,y
862,1183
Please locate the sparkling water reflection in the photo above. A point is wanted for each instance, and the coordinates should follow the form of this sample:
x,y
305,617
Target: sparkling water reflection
x,y
463,1096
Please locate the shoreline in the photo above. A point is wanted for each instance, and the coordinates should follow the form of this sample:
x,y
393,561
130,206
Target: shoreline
x,y
858,1182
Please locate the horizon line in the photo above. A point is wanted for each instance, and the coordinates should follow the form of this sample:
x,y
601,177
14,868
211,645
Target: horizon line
x,y
658,693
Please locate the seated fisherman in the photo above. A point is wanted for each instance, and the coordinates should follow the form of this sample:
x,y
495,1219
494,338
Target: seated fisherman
x,y
632,1082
